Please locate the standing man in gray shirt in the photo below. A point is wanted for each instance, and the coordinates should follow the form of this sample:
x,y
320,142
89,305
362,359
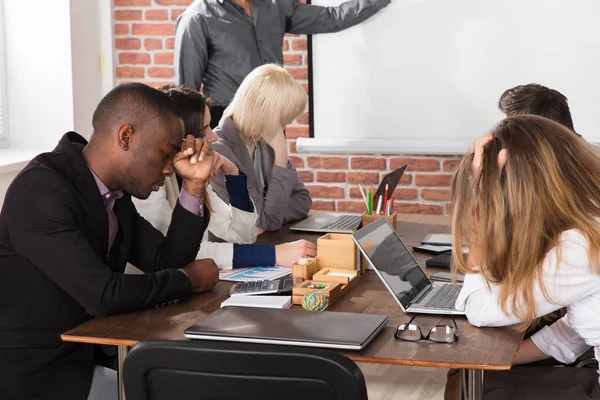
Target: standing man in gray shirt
x,y
218,42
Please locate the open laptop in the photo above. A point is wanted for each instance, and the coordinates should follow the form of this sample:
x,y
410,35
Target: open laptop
x,y
327,329
347,223
401,274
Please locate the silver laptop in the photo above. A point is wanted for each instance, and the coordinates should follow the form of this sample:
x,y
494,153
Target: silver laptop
x,y
401,274
327,329
347,223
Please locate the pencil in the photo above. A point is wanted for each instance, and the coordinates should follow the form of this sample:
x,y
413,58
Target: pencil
x,y
362,192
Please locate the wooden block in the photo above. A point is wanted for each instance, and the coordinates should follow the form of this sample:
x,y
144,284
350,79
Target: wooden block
x,y
304,288
342,276
367,219
305,271
336,250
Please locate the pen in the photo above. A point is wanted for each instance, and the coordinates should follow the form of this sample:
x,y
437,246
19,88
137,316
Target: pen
x,y
362,192
385,199
379,204
369,203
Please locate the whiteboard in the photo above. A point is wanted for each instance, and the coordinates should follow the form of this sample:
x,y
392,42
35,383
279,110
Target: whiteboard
x,y
426,75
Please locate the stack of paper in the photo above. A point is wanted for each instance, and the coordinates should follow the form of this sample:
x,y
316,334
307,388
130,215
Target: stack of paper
x,y
259,301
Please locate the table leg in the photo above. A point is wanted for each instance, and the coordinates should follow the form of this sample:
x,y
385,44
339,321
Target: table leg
x,y
471,384
122,353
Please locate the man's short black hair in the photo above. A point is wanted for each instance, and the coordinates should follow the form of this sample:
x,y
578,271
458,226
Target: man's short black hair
x,y
538,100
133,103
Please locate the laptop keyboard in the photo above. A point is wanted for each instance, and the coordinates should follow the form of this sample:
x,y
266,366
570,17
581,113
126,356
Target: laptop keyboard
x,y
444,298
344,222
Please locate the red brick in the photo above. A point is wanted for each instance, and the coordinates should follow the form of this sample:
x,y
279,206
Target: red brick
x,y
302,118
323,205
405,194
170,44
306,59
163,58
134,58
293,132
298,73
327,162
415,164
416,208
128,15
130,72
354,192
176,12
153,29
364,178
299,44
174,2
126,3
291,35
406,179
158,84
435,194
121,29
325,176
156,15
160,72
351,206
285,46
297,162
292,59
293,148
433,180
306,176
450,165
367,163
448,208
128,44
153,44
325,191
305,87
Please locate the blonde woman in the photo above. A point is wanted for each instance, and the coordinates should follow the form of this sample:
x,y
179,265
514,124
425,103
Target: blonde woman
x,y
234,221
527,202
251,136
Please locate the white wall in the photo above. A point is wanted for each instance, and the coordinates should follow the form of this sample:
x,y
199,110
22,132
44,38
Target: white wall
x,y
39,72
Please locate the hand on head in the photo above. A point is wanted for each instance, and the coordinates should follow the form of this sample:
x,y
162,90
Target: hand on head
x,y
279,146
478,148
223,164
287,254
194,164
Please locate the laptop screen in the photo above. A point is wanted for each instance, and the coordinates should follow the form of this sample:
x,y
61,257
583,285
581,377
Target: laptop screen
x,y
396,265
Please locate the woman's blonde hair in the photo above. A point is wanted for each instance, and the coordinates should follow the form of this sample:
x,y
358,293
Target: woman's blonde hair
x,y
268,98
512,216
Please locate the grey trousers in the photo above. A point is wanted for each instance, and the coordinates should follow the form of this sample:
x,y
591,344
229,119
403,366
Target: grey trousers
x,y
104,384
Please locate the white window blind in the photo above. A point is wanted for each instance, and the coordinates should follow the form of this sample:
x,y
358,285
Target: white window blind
x,y
3,92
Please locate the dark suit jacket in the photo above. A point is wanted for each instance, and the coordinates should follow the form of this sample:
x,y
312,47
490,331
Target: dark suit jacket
x,y
56,271
286,199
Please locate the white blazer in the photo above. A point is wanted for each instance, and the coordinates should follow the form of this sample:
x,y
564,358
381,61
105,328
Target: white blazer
x,y
227,223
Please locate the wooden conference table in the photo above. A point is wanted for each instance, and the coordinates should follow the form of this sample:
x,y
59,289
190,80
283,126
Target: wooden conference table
x,y
478,349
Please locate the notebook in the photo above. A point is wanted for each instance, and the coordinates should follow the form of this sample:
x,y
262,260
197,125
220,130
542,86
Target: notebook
x,y
326,329
259,301
254,273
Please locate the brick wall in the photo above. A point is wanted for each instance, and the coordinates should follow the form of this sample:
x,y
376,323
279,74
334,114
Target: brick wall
x,y
144,52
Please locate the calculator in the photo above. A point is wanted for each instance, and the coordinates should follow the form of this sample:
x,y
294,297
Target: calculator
x,y
275,286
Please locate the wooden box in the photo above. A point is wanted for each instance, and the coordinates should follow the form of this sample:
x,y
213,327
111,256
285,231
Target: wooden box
x,y
337,250
330,289
367,219
305,271
342,276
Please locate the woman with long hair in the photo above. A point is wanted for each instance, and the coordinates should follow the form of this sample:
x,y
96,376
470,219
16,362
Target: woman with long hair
x,y
251,135
234,221
526,201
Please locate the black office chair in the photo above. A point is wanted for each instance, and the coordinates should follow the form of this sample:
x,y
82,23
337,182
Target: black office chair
x,y
205,370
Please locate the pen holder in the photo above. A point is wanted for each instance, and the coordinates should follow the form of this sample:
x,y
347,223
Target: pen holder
x,y
305,271
337,250
367,219
341,276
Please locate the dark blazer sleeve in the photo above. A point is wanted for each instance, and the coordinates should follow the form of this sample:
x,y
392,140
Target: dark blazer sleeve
x,y
152,252
43,227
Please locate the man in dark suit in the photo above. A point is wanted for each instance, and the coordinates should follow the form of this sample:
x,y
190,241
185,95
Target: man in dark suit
x,y
68,228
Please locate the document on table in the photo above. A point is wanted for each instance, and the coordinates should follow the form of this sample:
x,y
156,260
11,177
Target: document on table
x,y
254,273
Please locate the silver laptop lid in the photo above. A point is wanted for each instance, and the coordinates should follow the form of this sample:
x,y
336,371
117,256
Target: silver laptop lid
x,y
396,266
